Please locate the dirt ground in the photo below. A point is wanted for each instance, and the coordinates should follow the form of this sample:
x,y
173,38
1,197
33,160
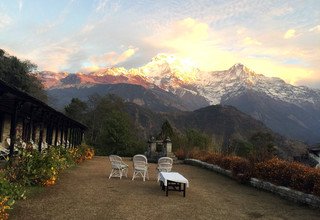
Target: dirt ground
x,y
85,192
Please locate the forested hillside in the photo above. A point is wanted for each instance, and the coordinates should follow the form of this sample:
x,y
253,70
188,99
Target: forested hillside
x,y
19,73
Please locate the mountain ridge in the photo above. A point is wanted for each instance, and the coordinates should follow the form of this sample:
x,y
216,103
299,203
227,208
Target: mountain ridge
x,y
185,81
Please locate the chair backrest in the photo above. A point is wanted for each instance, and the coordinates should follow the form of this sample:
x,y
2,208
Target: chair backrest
x,y
4,149
140,161
24,145
116,161
8,141
165,164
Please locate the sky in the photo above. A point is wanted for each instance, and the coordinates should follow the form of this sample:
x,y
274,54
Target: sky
x,y
272,37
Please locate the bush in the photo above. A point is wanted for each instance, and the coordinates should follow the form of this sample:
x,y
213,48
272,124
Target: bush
x,y
275,170
226,162
215,158
32,168
9,192
241,169
4,207
316,188
289,174
180,154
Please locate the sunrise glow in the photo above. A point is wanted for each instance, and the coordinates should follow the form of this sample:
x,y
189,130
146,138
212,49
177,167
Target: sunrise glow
x,y
281,39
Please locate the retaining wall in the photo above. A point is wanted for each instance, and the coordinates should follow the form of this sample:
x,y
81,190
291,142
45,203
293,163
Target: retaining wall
x,y
284,192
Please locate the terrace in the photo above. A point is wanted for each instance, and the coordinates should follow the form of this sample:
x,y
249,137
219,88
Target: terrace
x,y
85,192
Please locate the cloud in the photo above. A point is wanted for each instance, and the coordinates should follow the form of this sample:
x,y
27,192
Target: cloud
x,y
213,49
289,34
5,20
113,58
250,41
20,4
315,29
101,5
180,34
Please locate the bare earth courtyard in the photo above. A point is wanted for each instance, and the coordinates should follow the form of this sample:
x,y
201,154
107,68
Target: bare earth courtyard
x,y
85,192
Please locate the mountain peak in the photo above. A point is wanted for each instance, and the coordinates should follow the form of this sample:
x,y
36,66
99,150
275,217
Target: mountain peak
x,y
238,66
241,70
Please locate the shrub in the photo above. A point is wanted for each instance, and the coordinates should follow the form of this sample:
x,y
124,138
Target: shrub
x,y
8,194
305,178
4,207
30,168
241,169
215,158
290,174
180,154
226,162
316,188
275,170
33,168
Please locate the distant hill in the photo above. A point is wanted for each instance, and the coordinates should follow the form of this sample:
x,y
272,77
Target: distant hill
x,y
221,123
154,98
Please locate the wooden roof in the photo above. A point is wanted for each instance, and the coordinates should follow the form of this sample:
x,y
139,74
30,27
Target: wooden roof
x,y
10,95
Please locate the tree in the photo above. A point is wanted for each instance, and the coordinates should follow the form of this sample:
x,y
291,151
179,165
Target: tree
x,y
110,129
197,139
241,147
166,130
20,74
263,143
76,109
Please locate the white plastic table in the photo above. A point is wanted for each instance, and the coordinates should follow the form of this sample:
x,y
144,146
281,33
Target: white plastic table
x,y
173,181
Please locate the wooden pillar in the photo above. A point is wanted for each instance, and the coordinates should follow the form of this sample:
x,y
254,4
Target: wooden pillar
x,y
56,130
40,137
78,137
82,136
66,137
42,117
13,126
70,135
48,130
33,135
29,127
61,134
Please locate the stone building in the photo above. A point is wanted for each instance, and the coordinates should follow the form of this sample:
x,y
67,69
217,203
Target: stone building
x,y
24,118
159,148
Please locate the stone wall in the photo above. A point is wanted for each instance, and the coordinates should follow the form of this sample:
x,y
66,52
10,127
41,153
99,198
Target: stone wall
x,y
284,192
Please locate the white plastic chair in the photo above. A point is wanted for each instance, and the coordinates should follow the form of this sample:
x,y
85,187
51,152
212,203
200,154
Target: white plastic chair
x,y
119,168
4,152
318,166
140,166
34,145
164,165
8,142
44,146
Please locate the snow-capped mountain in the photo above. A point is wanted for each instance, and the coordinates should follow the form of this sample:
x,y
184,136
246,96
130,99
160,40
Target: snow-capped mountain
x,y
234,81
290,110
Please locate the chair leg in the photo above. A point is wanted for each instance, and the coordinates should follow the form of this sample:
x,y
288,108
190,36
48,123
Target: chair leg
x,y
111,174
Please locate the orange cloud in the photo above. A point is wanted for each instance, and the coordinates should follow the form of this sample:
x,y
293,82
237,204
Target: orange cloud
x,y
113,58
